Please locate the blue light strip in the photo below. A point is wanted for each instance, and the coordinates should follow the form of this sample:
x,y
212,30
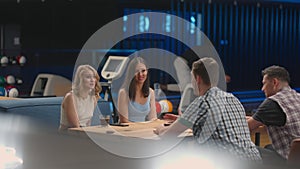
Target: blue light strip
x,y
284,1
252,100
78,50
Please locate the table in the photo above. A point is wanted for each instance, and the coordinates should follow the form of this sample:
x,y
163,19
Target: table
x,y
260,136
136,140
143,130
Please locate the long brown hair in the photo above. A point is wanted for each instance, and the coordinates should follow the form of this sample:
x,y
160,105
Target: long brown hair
x,y
130,83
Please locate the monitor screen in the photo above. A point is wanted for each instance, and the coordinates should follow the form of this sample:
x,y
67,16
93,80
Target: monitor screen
x,y
40,86
114,67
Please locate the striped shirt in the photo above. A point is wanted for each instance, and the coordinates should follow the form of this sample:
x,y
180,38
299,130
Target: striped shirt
x,y
218,121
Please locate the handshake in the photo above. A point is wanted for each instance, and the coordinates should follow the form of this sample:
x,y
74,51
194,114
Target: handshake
x,y
169,118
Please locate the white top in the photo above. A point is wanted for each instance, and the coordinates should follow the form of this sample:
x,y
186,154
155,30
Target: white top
x,y
84,109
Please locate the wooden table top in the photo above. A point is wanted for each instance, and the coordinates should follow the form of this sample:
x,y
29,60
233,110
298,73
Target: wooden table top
x,y
142,130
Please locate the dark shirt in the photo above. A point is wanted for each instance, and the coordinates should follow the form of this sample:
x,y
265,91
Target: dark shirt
x,y
270,113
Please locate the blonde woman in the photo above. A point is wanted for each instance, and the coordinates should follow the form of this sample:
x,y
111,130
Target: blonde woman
x,y
78,105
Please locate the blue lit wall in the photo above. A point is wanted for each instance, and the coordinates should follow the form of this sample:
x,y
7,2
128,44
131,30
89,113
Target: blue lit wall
x,y
248,36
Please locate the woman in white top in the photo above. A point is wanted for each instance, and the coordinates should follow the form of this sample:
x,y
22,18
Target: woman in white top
x,y
136,100
78,105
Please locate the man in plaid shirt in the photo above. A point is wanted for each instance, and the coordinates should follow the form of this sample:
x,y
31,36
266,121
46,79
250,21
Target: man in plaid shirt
x,y
217,118
279,112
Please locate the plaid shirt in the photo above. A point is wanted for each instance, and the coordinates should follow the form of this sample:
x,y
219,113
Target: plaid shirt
x,y
282,136
218,121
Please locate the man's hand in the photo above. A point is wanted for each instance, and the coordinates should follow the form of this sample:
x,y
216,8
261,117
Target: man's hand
x,y
252,123
169,116
159,130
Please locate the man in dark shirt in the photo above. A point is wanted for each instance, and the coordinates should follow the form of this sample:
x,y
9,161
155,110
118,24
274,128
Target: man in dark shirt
x,y
270,113
279,112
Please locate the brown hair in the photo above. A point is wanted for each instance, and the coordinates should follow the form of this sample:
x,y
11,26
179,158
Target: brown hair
x,y
208,69
130,83
277,72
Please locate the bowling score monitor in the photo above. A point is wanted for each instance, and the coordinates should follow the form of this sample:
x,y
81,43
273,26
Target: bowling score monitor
x,y
114,67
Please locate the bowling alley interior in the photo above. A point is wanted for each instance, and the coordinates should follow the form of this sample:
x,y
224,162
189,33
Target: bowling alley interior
x,y
47,122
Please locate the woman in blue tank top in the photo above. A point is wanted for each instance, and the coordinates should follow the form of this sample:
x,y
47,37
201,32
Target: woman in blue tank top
x,y
136,100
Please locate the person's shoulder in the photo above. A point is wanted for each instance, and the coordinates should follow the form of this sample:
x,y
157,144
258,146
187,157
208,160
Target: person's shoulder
x,y
122,92
219,93
215,91
269,101
151,90
68,98
69,95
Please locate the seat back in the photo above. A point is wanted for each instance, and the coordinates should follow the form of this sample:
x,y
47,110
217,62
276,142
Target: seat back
x,y
187,97
103,108
183,72
294,155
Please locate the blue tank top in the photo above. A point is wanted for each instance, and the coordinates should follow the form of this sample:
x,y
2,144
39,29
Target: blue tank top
x,y
138,112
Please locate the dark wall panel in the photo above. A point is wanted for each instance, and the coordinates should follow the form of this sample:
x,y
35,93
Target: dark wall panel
x,y
248,35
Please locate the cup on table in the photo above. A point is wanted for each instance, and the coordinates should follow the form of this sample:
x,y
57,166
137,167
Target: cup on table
x,y
104,120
